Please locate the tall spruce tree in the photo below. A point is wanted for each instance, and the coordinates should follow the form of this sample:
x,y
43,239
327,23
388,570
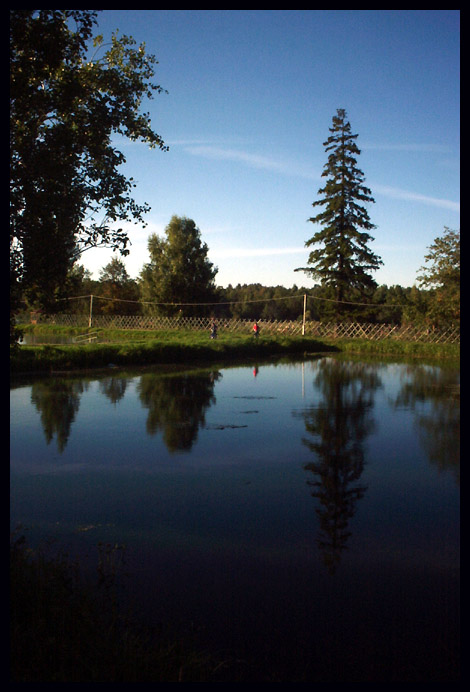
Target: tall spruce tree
x,y
343,260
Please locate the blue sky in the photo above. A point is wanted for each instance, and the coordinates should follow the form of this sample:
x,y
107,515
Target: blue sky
x,y
251,95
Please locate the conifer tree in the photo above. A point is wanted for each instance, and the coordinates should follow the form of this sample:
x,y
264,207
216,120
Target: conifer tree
x,y
343,260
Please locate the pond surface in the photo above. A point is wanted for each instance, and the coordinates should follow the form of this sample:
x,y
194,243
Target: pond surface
x,y
305,514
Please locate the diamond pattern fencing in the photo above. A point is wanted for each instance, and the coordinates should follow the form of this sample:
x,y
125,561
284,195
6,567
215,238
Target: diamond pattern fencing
x,y
376,332
325,330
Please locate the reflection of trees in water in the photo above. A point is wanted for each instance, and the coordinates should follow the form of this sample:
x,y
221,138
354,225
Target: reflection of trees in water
x,y
177,405
113,388
338,426
57,402
438,390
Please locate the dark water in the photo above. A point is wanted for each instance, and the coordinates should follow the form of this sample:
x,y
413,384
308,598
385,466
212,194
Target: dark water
x,y
304,514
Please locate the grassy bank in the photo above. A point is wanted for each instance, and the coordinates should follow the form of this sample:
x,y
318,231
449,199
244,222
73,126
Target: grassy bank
x,y
123,348
169,347
402,349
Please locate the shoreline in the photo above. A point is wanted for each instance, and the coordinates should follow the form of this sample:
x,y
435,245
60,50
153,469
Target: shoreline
x,y
192,349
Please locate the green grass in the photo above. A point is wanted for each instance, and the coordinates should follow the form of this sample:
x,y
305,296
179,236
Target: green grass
x,y
169,347
402,349
137,347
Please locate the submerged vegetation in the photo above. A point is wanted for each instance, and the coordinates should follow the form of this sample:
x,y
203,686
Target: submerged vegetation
x,y
68,628
64,628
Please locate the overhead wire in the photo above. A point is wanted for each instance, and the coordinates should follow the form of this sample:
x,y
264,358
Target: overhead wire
x,y
236,302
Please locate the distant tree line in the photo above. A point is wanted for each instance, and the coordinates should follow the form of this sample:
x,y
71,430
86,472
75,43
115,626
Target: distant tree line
x,y
180,280
118,294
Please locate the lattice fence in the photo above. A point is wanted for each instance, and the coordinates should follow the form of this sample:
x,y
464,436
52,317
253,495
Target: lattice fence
x,y
328,330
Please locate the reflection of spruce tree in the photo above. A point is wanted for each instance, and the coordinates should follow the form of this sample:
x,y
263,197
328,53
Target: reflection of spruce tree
x,y
57,401
177,405
114,388
440,424
338,426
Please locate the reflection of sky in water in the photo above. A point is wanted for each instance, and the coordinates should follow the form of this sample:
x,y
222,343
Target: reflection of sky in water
x,y
251,441
249,418
252,412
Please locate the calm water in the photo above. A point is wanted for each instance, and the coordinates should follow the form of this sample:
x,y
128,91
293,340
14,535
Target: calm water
x,y
306,513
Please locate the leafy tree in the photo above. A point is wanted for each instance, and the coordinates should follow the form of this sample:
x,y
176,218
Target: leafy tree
x,y
416,310
442,277
115,272
121,293
343,259
78,283
393,299
67,191
179,270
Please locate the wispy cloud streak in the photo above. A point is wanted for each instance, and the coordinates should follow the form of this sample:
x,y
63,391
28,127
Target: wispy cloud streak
x,y
396,193
221,154
253,160
422,147
256,252
288,168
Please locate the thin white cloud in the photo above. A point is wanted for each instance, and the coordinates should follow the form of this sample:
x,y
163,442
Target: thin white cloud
x,y
222,154
255,252
410,146
267,163
190,142
396,193
253,160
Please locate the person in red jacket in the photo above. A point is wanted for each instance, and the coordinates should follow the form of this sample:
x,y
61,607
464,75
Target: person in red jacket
x,y
256,328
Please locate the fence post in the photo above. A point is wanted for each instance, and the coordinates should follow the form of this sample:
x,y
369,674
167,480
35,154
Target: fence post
x,y
90,319
303,319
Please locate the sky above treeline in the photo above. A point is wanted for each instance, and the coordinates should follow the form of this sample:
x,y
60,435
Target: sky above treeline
x,y
251,97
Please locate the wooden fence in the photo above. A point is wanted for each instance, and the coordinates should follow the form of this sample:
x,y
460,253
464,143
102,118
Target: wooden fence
x,y
326,330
